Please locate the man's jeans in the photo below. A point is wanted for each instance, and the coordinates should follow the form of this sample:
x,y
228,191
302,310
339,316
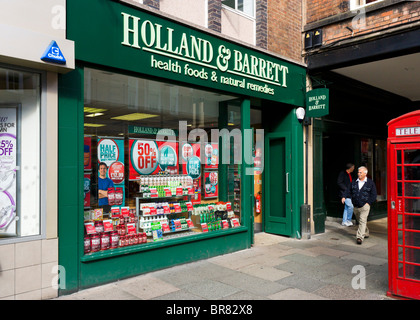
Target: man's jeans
x,y
348,210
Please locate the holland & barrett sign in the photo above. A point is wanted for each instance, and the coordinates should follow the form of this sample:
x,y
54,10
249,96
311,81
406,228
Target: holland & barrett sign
x,y
317,103
124,37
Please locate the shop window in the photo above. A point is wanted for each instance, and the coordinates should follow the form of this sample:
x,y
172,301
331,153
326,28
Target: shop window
x,y
244,6
153,170
20,156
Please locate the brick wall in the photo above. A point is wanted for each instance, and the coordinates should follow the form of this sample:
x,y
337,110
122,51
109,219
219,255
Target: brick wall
x,y
369,22
261,23
215,15
285,28
319,9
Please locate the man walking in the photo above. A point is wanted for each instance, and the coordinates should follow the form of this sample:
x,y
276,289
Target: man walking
x,y
362,193
344,181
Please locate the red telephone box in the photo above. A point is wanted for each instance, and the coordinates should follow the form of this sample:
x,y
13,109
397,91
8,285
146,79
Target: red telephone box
x,y
404,206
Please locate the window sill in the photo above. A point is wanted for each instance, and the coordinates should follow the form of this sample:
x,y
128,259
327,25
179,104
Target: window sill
x,y
238,12
111,253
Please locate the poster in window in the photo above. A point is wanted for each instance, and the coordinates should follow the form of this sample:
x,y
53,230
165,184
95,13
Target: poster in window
x,y
149,157
191,165
210,184
86,190
8,167
87,153
211,152
111,152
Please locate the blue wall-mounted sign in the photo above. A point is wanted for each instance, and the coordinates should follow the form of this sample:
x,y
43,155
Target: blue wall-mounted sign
x,y
53,54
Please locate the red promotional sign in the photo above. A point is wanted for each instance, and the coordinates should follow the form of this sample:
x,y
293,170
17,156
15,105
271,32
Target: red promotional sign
x,y
131,228
210,184
90,229
211,152
108,226
148,157
116,172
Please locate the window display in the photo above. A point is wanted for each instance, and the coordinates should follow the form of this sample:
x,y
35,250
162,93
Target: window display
x,y
151,171
20,127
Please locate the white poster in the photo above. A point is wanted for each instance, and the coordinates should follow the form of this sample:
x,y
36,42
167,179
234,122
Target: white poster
x,y
8,167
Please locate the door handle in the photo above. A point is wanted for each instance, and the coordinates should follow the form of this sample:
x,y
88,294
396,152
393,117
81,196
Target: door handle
x,y
287,182
392,204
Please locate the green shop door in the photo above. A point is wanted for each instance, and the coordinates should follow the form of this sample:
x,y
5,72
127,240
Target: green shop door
x,y
277,184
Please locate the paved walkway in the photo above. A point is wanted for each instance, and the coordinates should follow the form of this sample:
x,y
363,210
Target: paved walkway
x,y
276,268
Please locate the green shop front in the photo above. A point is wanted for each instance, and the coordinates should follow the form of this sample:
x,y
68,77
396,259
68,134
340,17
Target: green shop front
x,y
160,134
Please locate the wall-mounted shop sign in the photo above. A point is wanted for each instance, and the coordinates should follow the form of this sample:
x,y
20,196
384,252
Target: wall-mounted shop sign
x,y
317,103
53,54
128,38
151,130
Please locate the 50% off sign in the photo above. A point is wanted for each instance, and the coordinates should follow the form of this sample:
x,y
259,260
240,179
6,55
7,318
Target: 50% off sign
x,y
144,156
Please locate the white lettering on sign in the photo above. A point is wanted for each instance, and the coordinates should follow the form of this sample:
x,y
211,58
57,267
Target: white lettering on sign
x,y
198,53
407,131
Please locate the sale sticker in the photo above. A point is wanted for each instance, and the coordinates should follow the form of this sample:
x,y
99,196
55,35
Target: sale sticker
x,y
90,229
116,172
144,156
194,167
108,151
167,157
177,208
189,206
190,223
108,226
204,227
131,228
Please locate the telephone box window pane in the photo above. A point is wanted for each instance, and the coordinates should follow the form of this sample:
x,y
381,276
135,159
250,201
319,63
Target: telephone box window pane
x,y
401,270
412,255
412,239
412,222
412,272
411,189
411,156
399,173
400,237
411,173
398,156
412,205
399,187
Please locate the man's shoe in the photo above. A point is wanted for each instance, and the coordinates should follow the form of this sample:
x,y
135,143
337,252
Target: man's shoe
x,y
359,241
349,223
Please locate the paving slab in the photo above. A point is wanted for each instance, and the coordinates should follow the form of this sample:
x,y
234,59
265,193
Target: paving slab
x,y
252,284
146,287
274,268
295,294
210,289
265,272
